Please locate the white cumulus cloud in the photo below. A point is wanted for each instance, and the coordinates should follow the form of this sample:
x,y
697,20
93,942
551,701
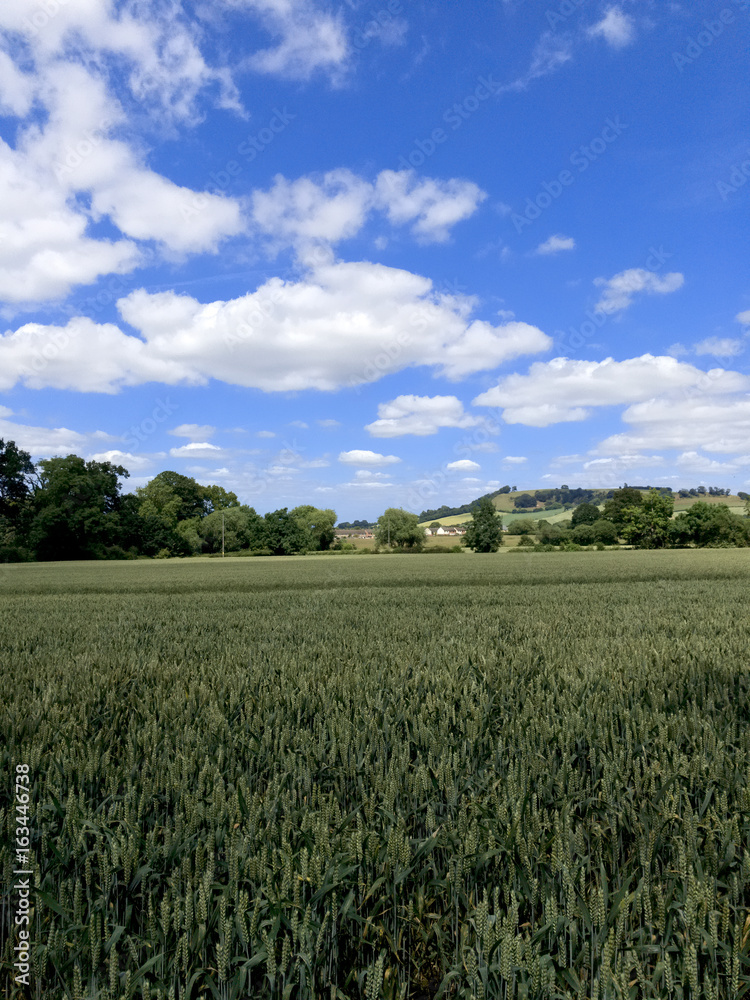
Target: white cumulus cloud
x,y
364,457
193,431
562,389
463,465
720,347
334,206
555,244
619,291
344,324
307,40
420,415
196,449
616,28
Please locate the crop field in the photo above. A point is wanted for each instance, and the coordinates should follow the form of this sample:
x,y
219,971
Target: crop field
x,y
380,777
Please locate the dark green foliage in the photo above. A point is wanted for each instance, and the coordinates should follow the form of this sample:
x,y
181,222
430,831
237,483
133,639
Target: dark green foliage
x,y
584,534
585,513
621,499
524,500
709,524
647,524
75,508
485,531
520,527
318,526
243,529
283,534
16,469
605,532
398,528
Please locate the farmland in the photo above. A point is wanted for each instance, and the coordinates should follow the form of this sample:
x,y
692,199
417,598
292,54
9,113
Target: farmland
x,y
344,776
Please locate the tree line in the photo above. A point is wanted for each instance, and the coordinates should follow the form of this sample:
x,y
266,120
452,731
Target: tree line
x,y
68,508
643,520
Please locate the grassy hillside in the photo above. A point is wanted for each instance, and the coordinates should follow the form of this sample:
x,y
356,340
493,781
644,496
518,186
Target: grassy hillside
x,y
505,506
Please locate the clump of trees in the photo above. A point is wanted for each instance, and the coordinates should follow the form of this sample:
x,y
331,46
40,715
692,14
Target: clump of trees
x,y
398,529
643,520
68,508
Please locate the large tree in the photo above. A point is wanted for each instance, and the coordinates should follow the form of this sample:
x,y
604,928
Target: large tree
x,y
76,508
217,498
627,497
585,513
16,469
175,496
242,527
398,528
647,525
485,533
318,525
283,533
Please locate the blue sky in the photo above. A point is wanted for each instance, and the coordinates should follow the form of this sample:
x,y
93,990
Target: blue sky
x,y
370,254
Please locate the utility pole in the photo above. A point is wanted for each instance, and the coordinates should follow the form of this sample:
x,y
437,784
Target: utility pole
x,y
222,534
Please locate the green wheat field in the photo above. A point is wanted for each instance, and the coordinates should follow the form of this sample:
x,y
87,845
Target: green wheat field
x,y
506,776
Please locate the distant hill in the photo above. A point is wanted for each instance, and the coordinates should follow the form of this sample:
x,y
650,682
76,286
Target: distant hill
x,y
554,501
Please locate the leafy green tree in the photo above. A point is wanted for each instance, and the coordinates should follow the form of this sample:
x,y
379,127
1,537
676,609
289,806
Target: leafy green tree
x,y
188,532
605,532
524,500
585,513
520,527
485,533
76,508
217,498
709,524
646,525
16,471
399,529
243,529
283,533
158,500
318,525
583,534
16,468
620,500
175,496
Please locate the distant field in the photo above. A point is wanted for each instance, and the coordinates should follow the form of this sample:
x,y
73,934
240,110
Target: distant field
x,y
362,777
734,503
508,517
504,505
